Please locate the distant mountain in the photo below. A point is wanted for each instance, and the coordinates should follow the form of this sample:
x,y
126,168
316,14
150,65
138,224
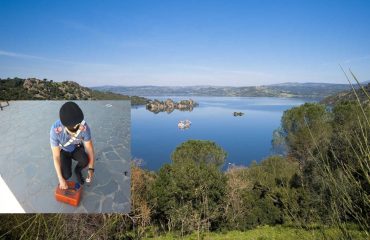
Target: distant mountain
x,y
349,95
306,90
36,89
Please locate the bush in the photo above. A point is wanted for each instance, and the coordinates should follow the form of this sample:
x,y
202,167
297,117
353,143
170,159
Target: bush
x,y
188,194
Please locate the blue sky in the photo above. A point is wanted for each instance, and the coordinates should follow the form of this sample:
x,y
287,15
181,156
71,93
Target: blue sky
x,y
173,43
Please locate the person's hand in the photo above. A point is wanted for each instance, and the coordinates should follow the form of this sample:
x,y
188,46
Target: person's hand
x,y
90,176
63,184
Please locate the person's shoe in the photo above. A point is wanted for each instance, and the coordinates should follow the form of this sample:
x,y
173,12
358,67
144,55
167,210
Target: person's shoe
x,y
80,179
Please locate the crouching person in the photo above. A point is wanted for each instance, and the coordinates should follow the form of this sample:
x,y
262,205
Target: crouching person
x,y
70,138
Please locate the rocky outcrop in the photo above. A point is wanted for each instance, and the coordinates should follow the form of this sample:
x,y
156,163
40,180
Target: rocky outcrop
x,y
36,89
43,89
169,105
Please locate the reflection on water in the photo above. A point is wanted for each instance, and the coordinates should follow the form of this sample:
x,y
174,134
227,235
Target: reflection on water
x,y
184,124
246,138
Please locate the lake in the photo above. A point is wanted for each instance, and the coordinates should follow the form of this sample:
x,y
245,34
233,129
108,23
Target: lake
x,y
245,139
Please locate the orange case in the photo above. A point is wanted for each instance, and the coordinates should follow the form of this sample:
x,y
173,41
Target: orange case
x,y
70,196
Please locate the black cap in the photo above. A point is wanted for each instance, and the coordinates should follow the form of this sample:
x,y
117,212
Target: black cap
x,y
70,114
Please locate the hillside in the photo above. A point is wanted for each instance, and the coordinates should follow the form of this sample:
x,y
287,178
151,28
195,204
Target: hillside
x,y
348,95
306,90
36,89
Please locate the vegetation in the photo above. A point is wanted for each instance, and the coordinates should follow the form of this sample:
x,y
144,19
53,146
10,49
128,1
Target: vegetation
x,y
270,232
360,94
35,89
335,170
348,96
198,151
261,194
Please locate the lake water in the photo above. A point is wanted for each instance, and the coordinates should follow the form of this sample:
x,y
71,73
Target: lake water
x,y
245,138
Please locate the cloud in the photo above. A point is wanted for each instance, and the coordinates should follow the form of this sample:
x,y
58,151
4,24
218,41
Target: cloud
x,y
20,55
55,60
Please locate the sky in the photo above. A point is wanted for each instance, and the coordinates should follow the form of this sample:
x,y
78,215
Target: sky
x,y
185,42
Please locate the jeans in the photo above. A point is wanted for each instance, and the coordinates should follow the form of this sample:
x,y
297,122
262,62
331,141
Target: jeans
x,y
78,155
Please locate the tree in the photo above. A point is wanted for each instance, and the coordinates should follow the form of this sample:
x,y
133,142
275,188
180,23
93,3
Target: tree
x,y
349,127
308,132
199,151
188,194
306,129
262,194
345,168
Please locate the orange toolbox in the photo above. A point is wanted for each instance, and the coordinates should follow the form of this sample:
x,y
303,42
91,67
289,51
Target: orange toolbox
x,y
71,196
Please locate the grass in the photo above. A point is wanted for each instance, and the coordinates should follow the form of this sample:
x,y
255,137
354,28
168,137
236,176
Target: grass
x,y
268,232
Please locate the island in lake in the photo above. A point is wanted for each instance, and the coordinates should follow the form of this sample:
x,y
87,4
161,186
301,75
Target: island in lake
x,y
169,105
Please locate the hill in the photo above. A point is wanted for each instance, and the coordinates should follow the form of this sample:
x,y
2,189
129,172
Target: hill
x,y
306,90
36,89
349,95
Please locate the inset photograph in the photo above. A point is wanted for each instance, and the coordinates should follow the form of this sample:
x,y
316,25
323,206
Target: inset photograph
x,y
65,157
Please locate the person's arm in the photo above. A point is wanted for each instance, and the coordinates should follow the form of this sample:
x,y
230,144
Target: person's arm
x,y
89,148
58,169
